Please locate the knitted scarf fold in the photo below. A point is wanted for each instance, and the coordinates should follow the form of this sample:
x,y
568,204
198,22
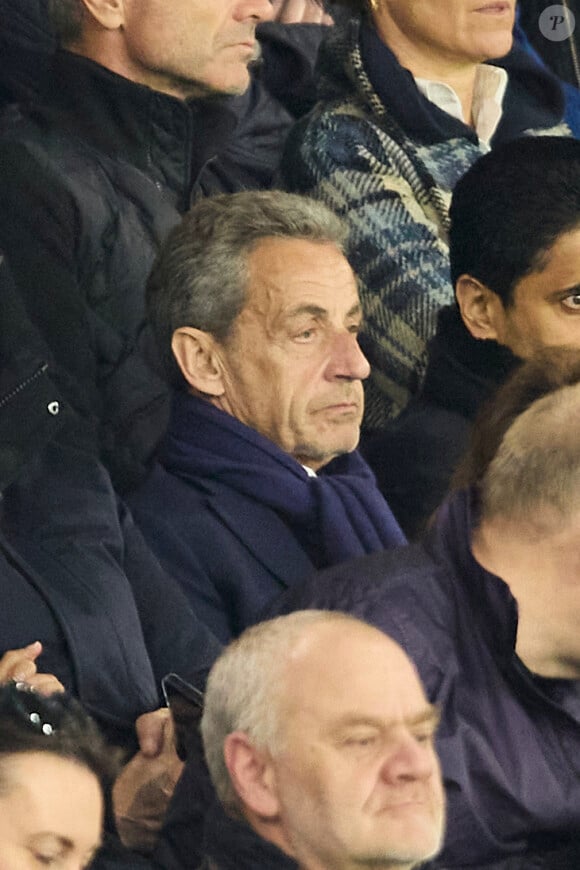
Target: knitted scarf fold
x,y
338,515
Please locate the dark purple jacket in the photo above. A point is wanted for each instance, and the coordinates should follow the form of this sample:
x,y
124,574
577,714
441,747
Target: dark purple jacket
x,y
509,741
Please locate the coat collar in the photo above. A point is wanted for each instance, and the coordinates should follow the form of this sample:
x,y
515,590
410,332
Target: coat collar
x,y
449,542
168,139
356,65
491,599
462,371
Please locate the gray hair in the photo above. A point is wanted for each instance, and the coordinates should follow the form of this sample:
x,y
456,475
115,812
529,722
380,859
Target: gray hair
x,y
66,18
245,688
534,477
200,277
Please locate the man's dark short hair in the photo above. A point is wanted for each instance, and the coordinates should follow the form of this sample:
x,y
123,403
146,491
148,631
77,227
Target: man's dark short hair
x,y
509,209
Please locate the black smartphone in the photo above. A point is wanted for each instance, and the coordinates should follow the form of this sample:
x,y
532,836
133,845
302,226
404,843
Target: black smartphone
x,y
186,705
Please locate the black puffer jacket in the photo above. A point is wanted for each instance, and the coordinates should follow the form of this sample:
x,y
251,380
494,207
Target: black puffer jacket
x,y
92,177
74,571
91,181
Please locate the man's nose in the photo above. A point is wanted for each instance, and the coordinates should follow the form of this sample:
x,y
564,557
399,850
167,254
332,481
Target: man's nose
x,y
259,10
347,359
409,759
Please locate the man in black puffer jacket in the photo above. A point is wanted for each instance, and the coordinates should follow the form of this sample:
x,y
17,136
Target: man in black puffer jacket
x,y
136,118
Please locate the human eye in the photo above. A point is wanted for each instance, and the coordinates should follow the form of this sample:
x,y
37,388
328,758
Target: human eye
x,y
306,334
48,854
46,860
572,302
361,740
425,734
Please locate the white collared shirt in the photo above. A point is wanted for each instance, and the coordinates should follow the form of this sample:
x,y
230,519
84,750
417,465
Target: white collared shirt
x,y
488,93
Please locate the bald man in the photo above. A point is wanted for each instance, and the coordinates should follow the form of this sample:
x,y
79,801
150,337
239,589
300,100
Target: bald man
x,y
319,737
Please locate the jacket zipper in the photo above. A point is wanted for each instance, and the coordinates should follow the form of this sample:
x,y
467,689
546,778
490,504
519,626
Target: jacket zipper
x,y
573,49
23,385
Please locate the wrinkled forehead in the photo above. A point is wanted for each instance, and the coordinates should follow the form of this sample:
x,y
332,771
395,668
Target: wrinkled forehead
x,y
284,274
342,670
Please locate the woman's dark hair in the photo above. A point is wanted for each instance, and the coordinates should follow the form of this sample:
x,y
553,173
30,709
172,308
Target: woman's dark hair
x,y
56,724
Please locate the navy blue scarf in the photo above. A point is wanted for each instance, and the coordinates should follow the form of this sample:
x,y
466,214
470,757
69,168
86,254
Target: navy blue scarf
x,y
338,515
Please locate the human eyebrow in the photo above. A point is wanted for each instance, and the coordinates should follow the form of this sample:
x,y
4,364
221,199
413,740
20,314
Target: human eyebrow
x,y
349,722
311,310
431,715
52,843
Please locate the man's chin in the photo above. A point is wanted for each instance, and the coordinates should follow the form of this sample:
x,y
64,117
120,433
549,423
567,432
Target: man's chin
x,y
317,457
404,855
218,89
218,94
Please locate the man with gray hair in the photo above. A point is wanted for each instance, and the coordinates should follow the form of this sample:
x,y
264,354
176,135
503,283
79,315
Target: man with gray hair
x,y
256,312
318,736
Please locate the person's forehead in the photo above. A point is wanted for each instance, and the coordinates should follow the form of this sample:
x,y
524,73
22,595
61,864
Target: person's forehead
x,y
346,671
558,269
287,274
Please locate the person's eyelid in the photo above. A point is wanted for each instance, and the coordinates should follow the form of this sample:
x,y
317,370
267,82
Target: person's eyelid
x,y
565,301
305,335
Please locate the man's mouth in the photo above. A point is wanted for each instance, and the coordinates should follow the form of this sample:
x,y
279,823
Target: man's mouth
x,y
494,9
344,408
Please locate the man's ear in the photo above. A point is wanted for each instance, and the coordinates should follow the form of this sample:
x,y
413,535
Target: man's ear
x,y
196,354
110,14
480,307
252,776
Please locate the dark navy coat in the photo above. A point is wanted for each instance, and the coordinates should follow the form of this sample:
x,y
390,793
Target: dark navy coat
x,y
75,573
231,554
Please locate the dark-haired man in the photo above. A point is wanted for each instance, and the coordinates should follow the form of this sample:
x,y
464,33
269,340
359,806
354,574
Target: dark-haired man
x,y
514,249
